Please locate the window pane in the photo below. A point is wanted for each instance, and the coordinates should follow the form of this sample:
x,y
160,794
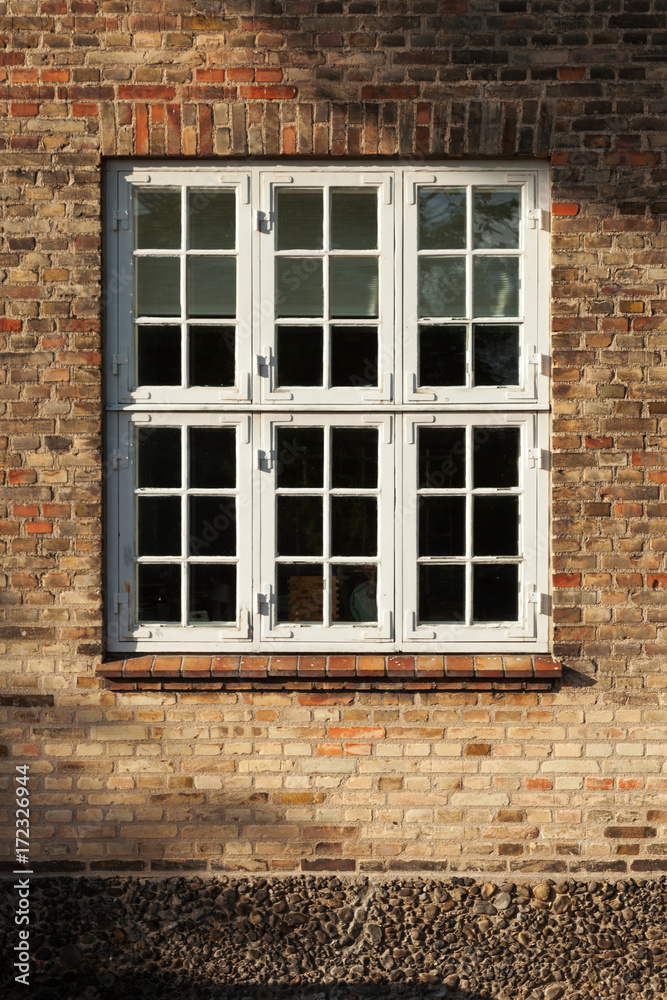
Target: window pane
x,y
299,217
299,593
212,593
158,457
299,289
212,526
158,593
158,355
354,593
495,592
442,219
496,355
212,219
495,219
158,526
495,457
299,457
354,220
158,287
354,287
495,526
157,219
442,452
441,594
496,286
442,529
354,526
299,355
211,355
354,355
211,286
354,458
212,458
299,526
442,355
442,286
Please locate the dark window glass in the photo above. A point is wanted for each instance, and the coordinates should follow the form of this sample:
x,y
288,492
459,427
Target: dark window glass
x,y
354,458
158,355
441,594
495,592
211,287
299,526
158,286
212,526
354,526
299,287
354,593
354,355
212,219
495,526
495,354
442,219
300,593
212,593
157,218
211,355
495,457
158,457
495,219
442,526
354,219
299,457
299,351
442,456
159,593
442,355
299,220
158,526
212,458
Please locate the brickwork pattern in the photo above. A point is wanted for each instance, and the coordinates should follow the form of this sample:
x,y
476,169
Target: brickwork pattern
x,y
573,777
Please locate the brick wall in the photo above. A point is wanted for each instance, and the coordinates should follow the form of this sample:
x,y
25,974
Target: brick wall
x,y
563,780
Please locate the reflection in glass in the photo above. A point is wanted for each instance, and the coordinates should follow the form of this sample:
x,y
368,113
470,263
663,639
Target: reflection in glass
x,y
442,219
495,354
212,593
211,352
158,526
158,593
496,286
442,286
495,526
354,356
158,457
354,526
212,219
299,457
354,287
157,218
299,351
442,454
299,290
354,219
495,457
158,286
354,458
495,219
212,458
442,526
299,593
299,527
158,355
299,216
212,526
442,355
353,593
211,286
495,592
441,594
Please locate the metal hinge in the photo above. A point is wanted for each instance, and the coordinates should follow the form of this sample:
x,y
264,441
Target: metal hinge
x,y
539,217
538,458
264,222
263,365
118,600
116,360
264,460
262,603
119,458
121,219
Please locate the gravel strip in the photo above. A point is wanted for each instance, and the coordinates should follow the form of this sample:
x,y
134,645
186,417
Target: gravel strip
x,y
339,939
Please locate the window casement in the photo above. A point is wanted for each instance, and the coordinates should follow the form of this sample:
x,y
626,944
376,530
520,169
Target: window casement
x,y
327,408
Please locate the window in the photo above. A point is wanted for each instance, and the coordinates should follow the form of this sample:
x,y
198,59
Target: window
x,y
327,408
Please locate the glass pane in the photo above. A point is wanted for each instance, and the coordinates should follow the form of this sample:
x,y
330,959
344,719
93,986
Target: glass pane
x,y
299,526
441,594
496,355
354,458
495,592
158,355
442,457
442,526
354,593
212,219
495,457
212,458
158,457
354,287
354,219
158,593
212,593
158,286
157,219
442,219
299,217
211,286
354,526
211,355
496,286
299,290
212,526
354,355
495,219
299,457
158,526
442,286
299,593
442,355
495,526
299,355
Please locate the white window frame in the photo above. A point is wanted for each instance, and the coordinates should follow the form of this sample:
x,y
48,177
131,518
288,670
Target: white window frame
x,y
398,406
